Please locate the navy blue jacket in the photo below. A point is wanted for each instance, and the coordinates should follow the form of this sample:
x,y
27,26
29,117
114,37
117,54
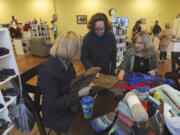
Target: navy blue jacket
x,y
54,81
100,52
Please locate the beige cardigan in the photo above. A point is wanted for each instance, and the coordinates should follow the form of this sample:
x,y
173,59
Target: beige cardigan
x,y
165,37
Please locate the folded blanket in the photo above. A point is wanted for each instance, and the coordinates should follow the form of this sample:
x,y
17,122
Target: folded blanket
x,y
137,110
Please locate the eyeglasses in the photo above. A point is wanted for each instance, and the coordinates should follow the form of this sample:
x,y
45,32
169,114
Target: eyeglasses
x,y
99,29
140,43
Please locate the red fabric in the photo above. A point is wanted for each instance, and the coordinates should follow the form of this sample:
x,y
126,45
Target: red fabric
x,y
122,86
144,103
129,88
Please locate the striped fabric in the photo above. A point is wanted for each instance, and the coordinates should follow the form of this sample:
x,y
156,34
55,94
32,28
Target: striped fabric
x,y
102,123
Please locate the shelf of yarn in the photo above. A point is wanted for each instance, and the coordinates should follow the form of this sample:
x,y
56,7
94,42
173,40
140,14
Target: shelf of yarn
x,y
1,57
8,79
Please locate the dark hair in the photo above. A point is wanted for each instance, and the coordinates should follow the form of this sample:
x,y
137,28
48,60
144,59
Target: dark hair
x,y
99,17
111,10
138,22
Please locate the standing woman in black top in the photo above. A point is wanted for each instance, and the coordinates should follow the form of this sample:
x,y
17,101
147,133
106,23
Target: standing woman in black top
x,y
54,81
99,45
136,28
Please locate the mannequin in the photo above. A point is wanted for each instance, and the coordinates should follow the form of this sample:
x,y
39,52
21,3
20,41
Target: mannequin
x,y
112,13
176,28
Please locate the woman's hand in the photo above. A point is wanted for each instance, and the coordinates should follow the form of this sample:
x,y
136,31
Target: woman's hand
x,y
84,91
121,75
97,75
152,72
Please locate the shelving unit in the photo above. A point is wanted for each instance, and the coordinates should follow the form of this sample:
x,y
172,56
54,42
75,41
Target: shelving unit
x,y
120,36
7,61
41,30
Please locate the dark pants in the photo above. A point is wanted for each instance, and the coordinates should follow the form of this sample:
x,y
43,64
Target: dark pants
x,y
163,55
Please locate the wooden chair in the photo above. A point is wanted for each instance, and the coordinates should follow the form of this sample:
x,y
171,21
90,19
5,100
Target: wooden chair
x,y
33,105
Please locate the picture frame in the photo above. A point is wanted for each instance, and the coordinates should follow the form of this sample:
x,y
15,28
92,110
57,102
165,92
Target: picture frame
x,y
81,19
143,20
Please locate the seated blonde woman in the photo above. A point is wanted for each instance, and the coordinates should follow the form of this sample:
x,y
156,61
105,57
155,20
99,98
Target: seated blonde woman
x,y
54,79
141,58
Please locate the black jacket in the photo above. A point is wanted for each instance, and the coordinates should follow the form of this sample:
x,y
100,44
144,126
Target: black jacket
x,y
54,81
99,52
156,29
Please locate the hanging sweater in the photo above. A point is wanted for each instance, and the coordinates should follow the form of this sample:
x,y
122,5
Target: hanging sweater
x,y
99,52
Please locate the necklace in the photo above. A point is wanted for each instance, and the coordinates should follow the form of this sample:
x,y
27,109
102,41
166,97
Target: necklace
x,y
141,63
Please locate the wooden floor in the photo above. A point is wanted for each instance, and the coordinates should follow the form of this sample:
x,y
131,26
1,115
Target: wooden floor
x,y
25,62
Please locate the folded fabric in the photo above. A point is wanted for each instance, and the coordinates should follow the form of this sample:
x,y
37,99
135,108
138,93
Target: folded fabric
x,y
135,77
106,81
137,110
174,95
119,89
84,79
103,122
172,123
167,98
131,87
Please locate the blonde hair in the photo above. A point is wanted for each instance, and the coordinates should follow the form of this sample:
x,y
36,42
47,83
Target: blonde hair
x,y
67,46
148,45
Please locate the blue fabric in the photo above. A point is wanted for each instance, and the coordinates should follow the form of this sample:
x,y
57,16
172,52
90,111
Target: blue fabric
x,y
135,77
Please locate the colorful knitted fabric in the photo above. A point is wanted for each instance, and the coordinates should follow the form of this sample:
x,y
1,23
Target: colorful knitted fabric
x,y
131,87
169,95
135,77
103,122
119,89
125,120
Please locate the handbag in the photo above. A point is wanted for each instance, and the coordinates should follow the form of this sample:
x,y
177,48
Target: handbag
x,y
20,115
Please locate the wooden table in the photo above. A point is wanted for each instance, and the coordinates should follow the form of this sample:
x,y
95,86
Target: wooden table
x,y
104,103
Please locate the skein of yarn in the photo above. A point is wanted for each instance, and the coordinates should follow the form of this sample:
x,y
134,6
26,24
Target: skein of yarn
x,y
137,110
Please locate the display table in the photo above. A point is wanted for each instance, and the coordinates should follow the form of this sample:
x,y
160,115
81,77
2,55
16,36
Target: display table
x,y
104,103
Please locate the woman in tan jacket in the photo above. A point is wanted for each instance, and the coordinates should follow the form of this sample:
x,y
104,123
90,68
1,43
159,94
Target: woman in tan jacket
x,y
165,40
